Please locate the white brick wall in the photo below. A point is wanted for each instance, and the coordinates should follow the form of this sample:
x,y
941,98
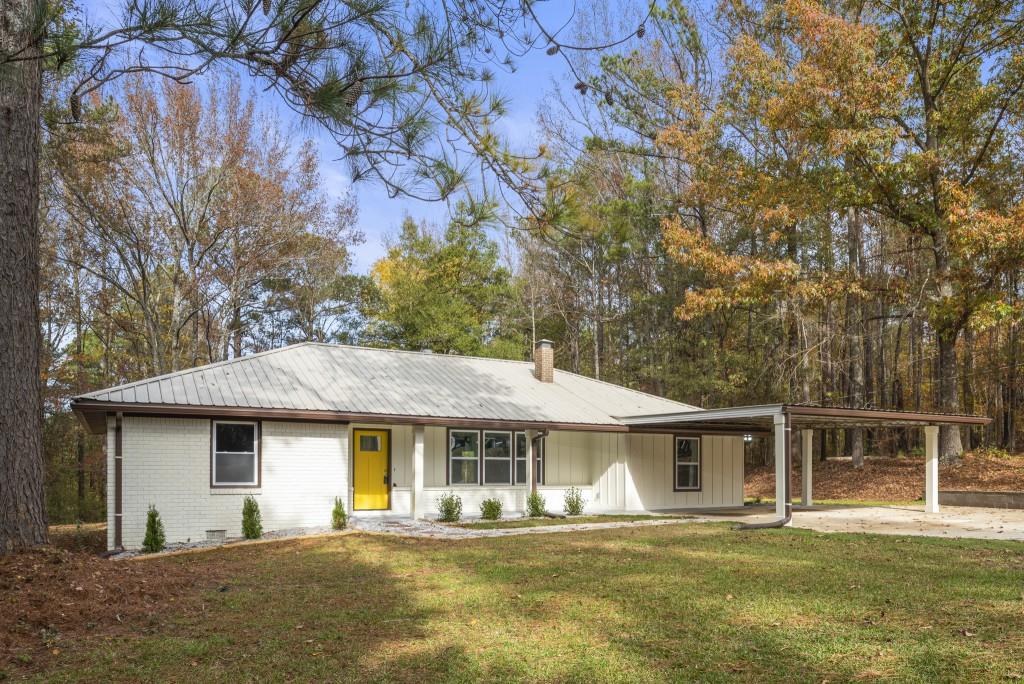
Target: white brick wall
x,y
167,464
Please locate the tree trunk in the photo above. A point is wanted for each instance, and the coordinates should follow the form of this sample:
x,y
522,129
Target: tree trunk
x,y
855,327
950,447
22,514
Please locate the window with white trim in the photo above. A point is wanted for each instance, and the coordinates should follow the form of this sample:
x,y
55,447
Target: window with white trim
x,y
464,457
235,454
521,450
687,464
497,458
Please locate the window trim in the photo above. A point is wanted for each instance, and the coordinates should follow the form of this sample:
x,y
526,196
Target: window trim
x,y
258,453
511,458
448,458
676,463
516,434
540,471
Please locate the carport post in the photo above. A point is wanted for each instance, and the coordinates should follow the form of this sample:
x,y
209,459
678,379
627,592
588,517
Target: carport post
x,y
806,474
931,469
781,476
417,472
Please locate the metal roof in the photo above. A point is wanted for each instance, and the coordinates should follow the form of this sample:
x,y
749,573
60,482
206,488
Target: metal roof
x,y
361,381
763,416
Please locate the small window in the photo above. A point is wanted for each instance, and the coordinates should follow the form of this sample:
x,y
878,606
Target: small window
x,y
687,464
464,457
235,454
498,458
521,460
369,443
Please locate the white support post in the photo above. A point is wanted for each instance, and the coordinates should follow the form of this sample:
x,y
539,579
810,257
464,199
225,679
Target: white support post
x,y
931,469
806,470
531,460
780,465
417,472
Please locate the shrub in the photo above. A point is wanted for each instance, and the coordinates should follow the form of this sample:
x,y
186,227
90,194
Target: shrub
x,y
490,509
535,505
339,518
573,501
252,524
155,538
449,508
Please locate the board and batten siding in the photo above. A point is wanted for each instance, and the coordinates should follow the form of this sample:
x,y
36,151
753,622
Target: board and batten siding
x,y
167,464
651,465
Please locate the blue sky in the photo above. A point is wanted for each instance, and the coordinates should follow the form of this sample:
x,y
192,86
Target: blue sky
x,y
379,215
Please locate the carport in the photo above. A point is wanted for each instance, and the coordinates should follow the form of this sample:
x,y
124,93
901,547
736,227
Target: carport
x,y
780,420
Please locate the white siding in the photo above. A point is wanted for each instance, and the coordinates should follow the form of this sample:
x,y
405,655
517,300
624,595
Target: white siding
x,y
651,464
167,464
305,465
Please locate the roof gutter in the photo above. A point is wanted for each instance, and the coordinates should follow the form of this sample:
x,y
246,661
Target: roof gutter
x,y
94,413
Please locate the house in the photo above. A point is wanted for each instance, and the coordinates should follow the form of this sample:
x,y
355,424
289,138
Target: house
x,y
391,431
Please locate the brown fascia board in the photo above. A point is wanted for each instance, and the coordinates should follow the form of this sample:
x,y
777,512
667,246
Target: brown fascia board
x,y
882,415
94,412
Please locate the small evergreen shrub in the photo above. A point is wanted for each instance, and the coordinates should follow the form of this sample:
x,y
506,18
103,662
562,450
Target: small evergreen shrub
x,y
155,539
535,505
490,509
449,508
252,523
573,501
339,518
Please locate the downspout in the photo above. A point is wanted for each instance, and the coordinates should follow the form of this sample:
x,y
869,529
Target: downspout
x,y
118,482
788,460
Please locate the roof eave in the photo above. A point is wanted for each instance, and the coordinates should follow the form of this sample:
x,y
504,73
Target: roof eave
x,y
93,412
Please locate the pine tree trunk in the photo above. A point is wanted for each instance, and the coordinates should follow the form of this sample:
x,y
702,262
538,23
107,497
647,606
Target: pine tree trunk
x,y
22,515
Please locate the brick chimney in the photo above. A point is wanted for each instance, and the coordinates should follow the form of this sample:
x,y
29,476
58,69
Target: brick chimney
x,y
544,360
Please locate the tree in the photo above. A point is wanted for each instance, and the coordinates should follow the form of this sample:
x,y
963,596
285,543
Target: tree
x,y
446,293
403,91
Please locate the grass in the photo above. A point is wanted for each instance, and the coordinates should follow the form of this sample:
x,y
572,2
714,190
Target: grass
x,y
680,603
546,522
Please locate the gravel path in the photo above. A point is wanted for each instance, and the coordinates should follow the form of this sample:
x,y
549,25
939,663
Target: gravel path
x,y
435,530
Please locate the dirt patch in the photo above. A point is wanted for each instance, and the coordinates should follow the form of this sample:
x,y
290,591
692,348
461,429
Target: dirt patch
x,y
894,479
51,597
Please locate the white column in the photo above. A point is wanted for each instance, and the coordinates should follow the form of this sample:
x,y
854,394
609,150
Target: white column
x,y
780,465
806,471
417,472
931,469
530,462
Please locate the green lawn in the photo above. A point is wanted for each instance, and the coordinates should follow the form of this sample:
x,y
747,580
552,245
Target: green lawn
x,y
545,522
644,604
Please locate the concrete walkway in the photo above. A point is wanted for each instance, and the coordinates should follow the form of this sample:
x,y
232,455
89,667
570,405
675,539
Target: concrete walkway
x,y
949,522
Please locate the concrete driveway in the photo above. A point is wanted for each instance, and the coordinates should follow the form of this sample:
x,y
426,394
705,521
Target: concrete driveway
x,y
950,521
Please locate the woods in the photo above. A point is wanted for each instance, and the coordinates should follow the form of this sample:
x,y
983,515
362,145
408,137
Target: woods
x,y
759,202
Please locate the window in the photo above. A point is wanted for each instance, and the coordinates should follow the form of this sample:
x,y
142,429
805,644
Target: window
x,y
521,459
498,458
687,464
235,454
369,443
464,456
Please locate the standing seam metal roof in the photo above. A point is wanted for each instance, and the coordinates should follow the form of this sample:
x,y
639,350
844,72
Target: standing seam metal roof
x,y
348,379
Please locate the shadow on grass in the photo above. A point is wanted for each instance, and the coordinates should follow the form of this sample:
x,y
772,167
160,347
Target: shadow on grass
x,y
675,603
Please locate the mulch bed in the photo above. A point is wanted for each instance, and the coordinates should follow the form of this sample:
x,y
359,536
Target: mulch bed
x,y
50,597
895,479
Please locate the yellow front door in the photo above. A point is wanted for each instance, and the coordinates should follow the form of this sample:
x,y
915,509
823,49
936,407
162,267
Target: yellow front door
x,y
371,479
